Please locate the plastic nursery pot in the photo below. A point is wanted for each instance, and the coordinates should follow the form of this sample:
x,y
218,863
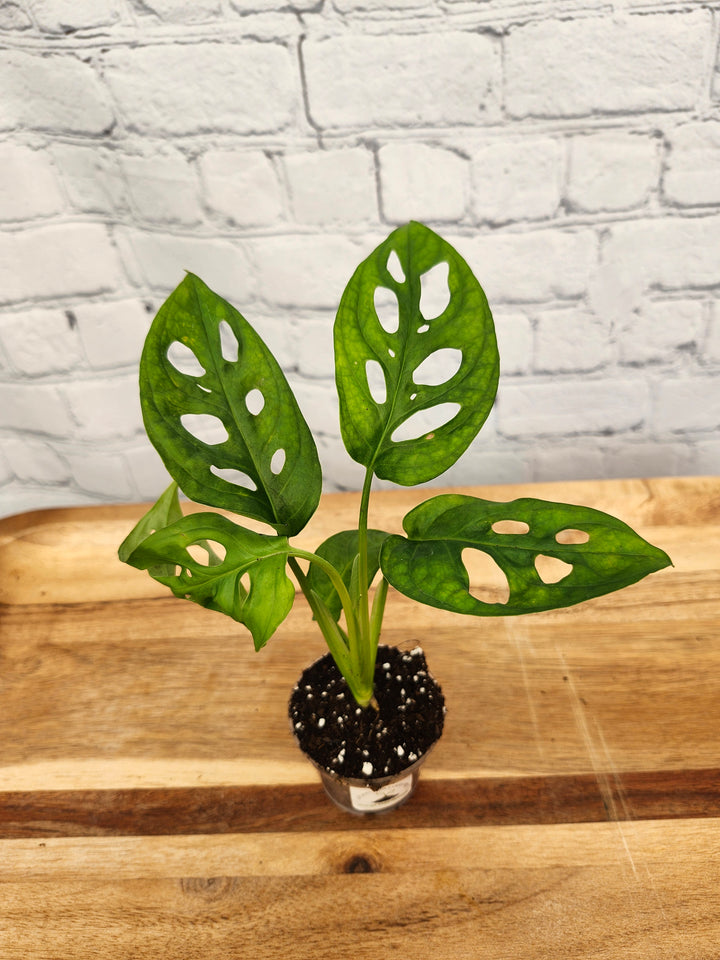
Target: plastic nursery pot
x,y
369,760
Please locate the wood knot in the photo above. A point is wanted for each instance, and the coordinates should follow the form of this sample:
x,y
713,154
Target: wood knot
x,y
360,864
207,888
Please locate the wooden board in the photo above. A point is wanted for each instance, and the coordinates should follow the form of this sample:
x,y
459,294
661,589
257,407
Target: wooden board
x,y
153,803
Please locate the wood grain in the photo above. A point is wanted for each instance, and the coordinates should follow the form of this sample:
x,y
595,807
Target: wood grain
x,y
154,804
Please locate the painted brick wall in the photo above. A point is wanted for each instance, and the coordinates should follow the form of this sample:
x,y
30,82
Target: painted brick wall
x,y
569,148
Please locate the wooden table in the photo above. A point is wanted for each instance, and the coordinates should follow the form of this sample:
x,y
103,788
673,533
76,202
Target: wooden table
x,y
153,804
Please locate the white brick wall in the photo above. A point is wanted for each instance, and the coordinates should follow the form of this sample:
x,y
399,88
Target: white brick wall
x,y
572,155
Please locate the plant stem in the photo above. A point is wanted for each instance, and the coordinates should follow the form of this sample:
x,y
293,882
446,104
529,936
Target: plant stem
x,y
366,654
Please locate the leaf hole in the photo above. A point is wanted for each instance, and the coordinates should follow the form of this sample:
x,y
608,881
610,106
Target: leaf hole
x,y
207,553
277,462
488,583
387,309
439,367
550,569
572,536
510,526
228,342
254,401
244,582
425,422
395,267
376,381
205,427
434,291
236,477
184,360
423,328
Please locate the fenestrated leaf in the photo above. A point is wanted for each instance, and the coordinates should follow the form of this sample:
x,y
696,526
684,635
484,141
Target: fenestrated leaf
x,y
428,566
164,511
340,550
464,327
217,585
269,448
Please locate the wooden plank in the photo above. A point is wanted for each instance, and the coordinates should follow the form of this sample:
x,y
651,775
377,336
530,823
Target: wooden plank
x,y
304,808
630,891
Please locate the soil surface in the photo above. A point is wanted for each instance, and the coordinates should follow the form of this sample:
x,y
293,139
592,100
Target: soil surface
x,y
366,744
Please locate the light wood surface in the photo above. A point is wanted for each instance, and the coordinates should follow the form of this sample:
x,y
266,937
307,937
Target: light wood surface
x,y
154,805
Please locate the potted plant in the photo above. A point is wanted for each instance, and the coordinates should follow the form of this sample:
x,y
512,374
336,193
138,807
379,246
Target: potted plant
x,y
366,720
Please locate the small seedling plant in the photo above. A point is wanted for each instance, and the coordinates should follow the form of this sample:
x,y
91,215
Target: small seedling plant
x,y
203,363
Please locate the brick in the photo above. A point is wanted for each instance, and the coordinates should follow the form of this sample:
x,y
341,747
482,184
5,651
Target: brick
x,y
478,465
67,16
6,474
35,408
686,403
162,260
692,175
516,180
147,470
241,186
672,253
92,178
421,181
381,6
711,351
104,408
402,80
318,401
627,64
41,342
12,17
163,188
57,261
113,333
572,340
537,265
332,186
706,458
34,460
631,458
101,473
181,11
338,470
514,334
208,87
28,184
59,93
572,407
313,345
659,329
610,171
305,271
568,460
19,498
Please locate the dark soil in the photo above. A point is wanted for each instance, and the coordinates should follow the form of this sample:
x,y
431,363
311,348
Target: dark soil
x,y
366,744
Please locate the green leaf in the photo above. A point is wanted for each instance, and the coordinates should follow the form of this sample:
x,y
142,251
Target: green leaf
x,y
465,328
162,513
267,466
428,566
216,584
341,550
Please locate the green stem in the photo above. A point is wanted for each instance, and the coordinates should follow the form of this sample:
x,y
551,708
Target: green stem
x,y
366,654
337,582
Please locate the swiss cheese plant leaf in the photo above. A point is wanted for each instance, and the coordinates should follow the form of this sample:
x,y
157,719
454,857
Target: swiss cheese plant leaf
x,y
340,550
220,413
205,557
162,513
428,566
417,371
